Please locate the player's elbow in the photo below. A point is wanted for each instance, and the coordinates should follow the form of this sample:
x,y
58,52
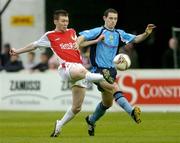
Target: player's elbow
x,y
136,40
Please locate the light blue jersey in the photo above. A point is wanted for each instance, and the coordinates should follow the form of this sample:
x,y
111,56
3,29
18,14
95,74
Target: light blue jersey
x,y
103,53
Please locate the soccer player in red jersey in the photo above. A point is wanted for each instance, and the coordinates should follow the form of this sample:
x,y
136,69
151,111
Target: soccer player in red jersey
x,y
63,43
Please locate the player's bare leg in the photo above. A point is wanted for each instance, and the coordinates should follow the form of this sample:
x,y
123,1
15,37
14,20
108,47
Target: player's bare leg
x,y
80,72
77,100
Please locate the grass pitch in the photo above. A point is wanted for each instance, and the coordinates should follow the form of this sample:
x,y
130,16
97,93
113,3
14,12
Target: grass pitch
x,y
36,127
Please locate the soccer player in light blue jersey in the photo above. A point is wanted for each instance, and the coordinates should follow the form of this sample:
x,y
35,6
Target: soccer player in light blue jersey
x,y
105,42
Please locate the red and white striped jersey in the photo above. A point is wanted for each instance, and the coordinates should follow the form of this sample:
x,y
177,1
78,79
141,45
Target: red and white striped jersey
x,y
62,44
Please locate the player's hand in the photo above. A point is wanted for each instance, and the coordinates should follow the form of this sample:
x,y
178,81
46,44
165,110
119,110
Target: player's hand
x,y
149,28
100,38
76,46
13,52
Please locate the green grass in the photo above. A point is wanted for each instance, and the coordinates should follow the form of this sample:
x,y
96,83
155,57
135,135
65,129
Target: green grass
x,y
35,127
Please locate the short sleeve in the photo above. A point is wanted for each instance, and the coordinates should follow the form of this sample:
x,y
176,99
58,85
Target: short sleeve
x,y
91,34
126,37
42,42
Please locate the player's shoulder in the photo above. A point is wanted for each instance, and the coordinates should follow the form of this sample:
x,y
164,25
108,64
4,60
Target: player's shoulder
x,y
49,32
93,30
71,30
120,30
98,28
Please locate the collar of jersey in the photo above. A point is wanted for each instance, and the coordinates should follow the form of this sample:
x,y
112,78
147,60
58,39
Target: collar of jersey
x,y
112,30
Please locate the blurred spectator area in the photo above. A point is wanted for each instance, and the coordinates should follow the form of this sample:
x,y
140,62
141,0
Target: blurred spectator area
x,y
14,64
133,16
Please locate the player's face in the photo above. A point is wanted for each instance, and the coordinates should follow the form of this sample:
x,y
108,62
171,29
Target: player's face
x,y
62,23
111,20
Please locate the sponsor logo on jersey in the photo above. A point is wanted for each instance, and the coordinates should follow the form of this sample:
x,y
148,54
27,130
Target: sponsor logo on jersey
x,y
68,45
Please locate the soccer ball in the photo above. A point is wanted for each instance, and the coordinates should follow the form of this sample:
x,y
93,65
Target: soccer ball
x,y
122,62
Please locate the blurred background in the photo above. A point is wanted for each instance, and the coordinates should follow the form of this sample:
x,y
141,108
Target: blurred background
x,y
30,82
153,78
133,18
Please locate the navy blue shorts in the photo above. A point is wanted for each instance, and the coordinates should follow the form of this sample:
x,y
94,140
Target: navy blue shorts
x,y
112,71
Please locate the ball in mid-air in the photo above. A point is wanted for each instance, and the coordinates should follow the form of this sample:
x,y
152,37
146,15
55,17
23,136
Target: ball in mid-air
x,y
122,62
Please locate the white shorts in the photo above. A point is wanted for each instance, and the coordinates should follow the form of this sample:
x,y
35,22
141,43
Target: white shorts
x,y
64,72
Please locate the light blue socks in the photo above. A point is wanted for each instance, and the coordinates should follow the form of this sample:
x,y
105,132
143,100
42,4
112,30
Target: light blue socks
x,y
99,112
122,101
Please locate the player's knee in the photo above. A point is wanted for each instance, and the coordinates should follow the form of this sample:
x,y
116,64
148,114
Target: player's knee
x,y
103,106
82,71
108,104
107,87
76,109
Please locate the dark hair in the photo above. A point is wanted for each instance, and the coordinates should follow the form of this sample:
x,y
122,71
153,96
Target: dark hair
x,y
58,13
110,10
7,45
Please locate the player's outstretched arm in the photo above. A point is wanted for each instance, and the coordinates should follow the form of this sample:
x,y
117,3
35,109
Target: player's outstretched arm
x,y
84,43
27,48
141,37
